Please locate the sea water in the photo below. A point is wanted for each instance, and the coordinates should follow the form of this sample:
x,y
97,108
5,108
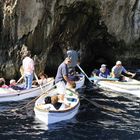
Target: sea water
x,y
105,115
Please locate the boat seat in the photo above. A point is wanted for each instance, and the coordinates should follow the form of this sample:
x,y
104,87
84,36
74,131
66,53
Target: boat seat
x,y
46,107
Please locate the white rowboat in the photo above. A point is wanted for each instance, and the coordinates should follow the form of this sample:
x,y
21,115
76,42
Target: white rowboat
x,y
80,82
8,94
130,86
53,116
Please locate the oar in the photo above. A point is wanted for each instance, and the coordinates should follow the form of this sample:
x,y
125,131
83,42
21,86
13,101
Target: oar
x,y
133,75
16,109
20,79
103,79
98,105
84,73
103,106
38,82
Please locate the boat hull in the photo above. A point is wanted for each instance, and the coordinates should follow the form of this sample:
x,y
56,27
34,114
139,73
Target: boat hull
x,y
8,95
130,87
50,117
80,82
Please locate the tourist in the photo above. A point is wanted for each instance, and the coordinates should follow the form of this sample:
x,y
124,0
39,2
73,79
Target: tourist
x,y
73,76
14,86
118,70
42,78
28,68
2,83
104,72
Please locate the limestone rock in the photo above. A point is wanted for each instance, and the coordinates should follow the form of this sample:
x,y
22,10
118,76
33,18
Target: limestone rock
x,y
102,30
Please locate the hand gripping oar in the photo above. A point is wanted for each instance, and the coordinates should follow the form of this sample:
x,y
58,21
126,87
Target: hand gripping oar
x,y
16,109
84,73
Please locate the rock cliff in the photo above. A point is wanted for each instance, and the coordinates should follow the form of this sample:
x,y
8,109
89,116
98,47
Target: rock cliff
x,y
102,30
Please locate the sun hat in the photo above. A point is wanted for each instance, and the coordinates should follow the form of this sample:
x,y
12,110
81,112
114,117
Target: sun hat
x,y
118,63
12,81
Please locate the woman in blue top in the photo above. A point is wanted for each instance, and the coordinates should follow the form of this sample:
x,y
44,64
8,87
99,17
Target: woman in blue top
x,y
104,72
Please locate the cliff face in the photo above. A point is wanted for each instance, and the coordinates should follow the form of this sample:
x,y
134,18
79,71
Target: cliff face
x,y
122,18
103,30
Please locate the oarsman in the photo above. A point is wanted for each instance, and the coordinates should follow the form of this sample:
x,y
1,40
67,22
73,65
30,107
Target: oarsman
x,y
28,68
61,78
117,71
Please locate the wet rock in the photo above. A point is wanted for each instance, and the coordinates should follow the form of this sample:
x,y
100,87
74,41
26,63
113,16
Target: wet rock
x,y
103,31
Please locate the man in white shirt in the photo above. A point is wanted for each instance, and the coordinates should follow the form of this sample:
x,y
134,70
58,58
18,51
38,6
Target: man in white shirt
x,y
28,67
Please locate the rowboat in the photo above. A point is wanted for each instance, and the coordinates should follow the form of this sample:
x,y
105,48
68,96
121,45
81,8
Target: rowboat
x,y
79,83
50,116
130,86
9,94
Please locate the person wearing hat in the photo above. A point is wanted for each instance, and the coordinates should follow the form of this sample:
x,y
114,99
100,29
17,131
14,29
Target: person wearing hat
x,y
62,77
117,71
73,55
14,86
104,72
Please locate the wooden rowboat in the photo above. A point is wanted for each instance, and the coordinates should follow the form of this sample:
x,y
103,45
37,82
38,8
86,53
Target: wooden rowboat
x,y
48,116
130,86
8,94
80,82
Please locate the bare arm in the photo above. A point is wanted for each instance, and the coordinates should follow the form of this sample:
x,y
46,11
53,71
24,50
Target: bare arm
x,y
67,79
112,74
132,74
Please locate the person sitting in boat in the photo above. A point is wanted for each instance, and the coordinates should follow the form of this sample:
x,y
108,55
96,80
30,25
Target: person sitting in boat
x,y
52,103
104,72
117,71
2,83
14,86
73,75
42,79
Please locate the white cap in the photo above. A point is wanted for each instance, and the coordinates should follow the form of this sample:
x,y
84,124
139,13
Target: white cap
x,y
12,81
103,65
118,63
2,79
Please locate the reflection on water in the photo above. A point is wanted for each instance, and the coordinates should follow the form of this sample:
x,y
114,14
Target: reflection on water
x,y
102,115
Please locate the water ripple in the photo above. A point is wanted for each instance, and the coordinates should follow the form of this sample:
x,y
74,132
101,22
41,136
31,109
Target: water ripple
x,y
102,115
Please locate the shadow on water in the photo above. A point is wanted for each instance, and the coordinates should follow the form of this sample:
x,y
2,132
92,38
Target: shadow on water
x,y
114,116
